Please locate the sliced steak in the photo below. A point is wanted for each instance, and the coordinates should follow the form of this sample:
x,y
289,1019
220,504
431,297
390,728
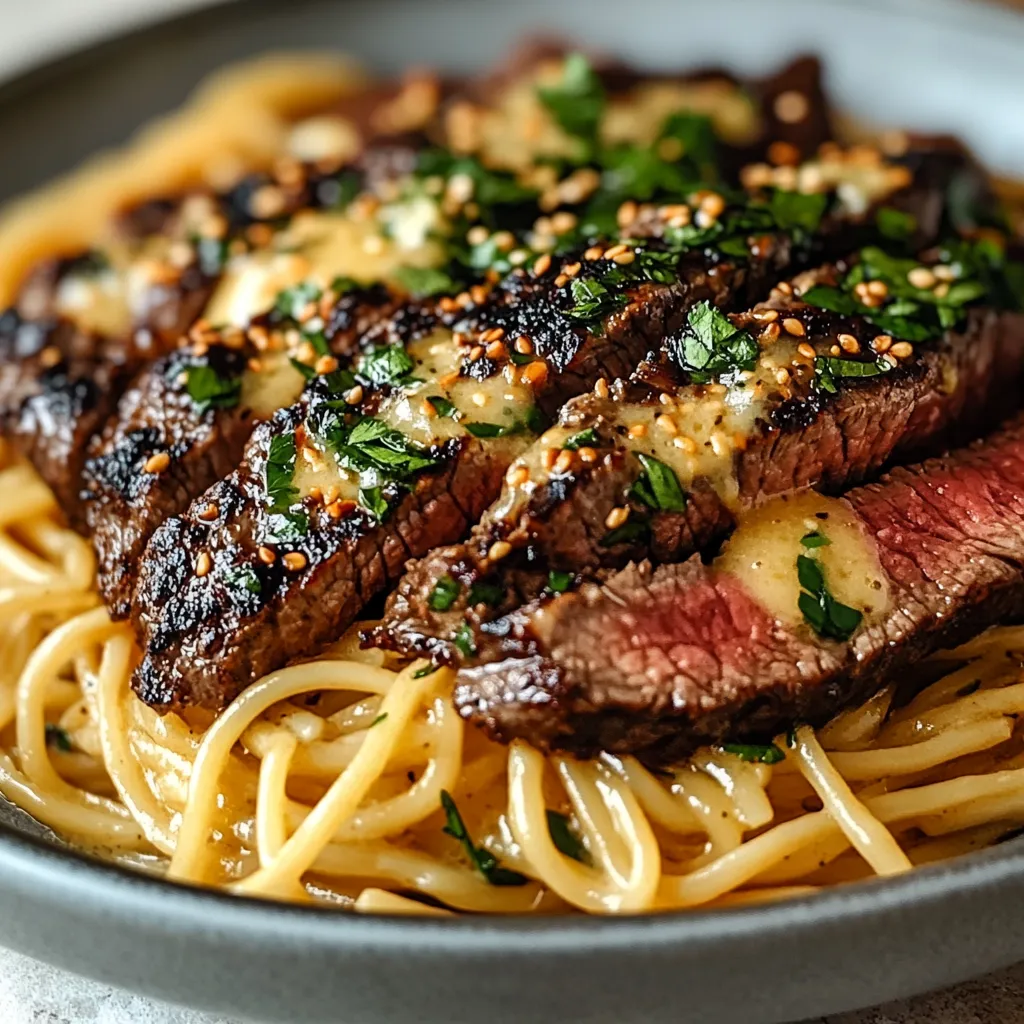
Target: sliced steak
x,y
660,467
660,662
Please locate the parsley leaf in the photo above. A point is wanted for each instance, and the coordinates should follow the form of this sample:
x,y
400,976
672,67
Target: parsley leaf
x,y
486,863
584,439
380,718
243,577
486,593
291,302
758,753
658,486
373,500
577,103
710,345
828,370
592,301
445,594
463,640
209,390
58,738
565,838
827,616
390,364
427,670
798,211
633,530
286,527
559,582
377,452
815,539
895,224
278,473
424,281
443,407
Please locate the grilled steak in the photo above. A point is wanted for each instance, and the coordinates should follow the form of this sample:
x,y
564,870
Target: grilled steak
x,y
659,467
660,662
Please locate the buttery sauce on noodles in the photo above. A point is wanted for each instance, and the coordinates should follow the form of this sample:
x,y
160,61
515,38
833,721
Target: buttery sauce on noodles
x,y
324,781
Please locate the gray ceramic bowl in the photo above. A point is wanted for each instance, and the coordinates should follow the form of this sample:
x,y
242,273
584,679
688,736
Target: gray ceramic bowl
x,y
920,63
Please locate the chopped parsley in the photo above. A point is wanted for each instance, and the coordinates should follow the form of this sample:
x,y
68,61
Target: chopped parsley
x,y
445,594
630,531
486,593
797,212
486,863
895,224
243,577
815,539
424,281
373,500
577,103
658,487
711,346
559,582
829,370
427,670
565,838
757,753
389,364
443,407
584,439
380,718
292,301
209,390
591,300
286,527
533,422
826,616
58,738
463,640
378,453
279,471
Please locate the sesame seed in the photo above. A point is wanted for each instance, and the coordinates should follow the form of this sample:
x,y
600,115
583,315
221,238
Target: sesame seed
x,y
306,353
848,343
517,476
203,563
616,518
805,350
638,430
561,281
626,213
835,350
667,424
713,205
478,293
625,258
687,444
534,373
550,455
879,289
784,287
615,250
542,264
593,253
503,240
571,269
496,350
771,332
902,350
294,561
479,399
266,555
940,291
157,463
720,443
475,353
601,387
794,327
563,463
209,513
523,345
493,334
944,273
782,375
354,395
255,365
766,316
499,550
332,494
563,221
921,277
882,343
49,357
326,364
587,454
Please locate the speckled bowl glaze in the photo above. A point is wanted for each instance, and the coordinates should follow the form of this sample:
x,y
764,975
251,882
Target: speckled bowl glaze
x,y
926,64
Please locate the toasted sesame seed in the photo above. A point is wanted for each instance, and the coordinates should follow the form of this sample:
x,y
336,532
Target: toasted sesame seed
x,y
209,513
941,290
783,154
587,454
687,444
638,430
848,343
563,221
595,252
354,395
49,357
523,345
921,277
805,350
667,424
534,373
255,365
835,350
771,332
625,258
479,399
542,264
616,518
902,350
563,463
492,334
794,327
944,273
882,343
601,387
496,350
626,213
615,250
550,455
326,364
503,240
157,462
475,353
479,294
720,443
561,281
332,494
713,205
517,476
782,375
306,353
294,561
571,269
266,555
203,563
879,289
766,316
784,287
499,550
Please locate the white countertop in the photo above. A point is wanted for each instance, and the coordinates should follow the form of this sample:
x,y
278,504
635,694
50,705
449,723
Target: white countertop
x,y
32,993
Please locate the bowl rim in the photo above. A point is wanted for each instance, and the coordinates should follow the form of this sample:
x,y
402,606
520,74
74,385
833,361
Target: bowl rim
x,y
52,874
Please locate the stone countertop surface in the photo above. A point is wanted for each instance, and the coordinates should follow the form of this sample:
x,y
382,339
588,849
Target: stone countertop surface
x,y
33,993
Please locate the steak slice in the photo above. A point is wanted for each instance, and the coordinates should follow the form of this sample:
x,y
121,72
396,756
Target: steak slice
x,y
458,376
183,425
659,662
579,500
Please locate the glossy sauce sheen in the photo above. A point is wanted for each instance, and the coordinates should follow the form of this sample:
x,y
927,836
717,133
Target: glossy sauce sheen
x,y
763,553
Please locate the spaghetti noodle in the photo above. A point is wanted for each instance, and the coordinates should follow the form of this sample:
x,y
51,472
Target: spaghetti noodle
x,y
326,781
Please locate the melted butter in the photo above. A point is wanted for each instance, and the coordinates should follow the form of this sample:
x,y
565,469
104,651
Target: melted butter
x,y
96,303
275,385
436,360
319,469
763,553
321,246
535,461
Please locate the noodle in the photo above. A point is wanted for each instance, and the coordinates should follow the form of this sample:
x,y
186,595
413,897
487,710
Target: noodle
x,y
323,781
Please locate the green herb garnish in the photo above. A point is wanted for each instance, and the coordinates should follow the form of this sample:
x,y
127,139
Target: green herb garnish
x,y
380,718
243,577
424,281
758,753
445,594
485,593
658,486
577,103
58,738
584,439
388,365
486,863
279,471
463,640
286,527
427,670
443,407
559,582
895,224
829,370
373,500
710,345
628,533
798,211
815,539
827,616
209,390
565,838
